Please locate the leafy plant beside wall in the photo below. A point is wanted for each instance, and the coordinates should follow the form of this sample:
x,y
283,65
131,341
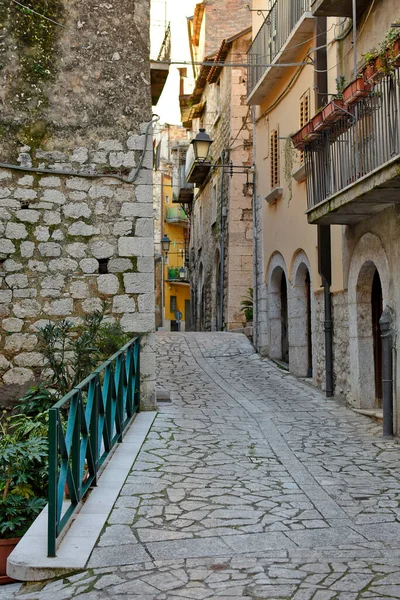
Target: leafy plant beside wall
x,y
246,306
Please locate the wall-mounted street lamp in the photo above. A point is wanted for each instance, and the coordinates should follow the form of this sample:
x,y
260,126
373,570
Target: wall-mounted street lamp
x,y
182,273
201,146
165,243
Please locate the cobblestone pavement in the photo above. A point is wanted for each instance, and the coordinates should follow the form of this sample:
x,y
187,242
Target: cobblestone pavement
x,y
251,484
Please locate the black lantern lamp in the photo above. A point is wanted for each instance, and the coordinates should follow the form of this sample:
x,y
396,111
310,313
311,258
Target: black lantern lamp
x,y
182,273
201,146
165,243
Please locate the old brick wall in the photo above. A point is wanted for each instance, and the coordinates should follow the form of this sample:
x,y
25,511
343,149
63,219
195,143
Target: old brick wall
x,y
224,20
77,104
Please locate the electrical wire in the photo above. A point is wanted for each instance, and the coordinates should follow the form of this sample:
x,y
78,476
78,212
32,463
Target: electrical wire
x,y
72,173
31,10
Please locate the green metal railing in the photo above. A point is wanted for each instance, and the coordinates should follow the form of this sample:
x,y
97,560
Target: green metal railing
x,y
84,426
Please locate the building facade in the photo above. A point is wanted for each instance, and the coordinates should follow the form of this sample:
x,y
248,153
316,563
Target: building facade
x,y
76,175
326,241
221,221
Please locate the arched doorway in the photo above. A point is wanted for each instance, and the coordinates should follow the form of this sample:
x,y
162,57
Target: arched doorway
x,y
278,315
369,310
300,318
368,285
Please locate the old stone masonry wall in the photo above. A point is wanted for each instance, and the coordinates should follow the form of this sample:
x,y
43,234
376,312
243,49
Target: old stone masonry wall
x,y
68,243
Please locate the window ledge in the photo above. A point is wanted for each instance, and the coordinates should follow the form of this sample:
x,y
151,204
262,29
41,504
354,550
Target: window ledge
x,y
274,195
300,174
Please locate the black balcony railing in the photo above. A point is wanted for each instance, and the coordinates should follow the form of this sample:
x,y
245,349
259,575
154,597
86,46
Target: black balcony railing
x,y
274,32
362,140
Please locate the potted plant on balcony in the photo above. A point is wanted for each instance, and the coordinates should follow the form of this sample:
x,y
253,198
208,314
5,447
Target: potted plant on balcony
x,y
370,71
355,90
334,110
305,135
23,460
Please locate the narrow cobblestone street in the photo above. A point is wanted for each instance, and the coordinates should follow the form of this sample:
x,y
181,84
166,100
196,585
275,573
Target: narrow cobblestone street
x,y
251,484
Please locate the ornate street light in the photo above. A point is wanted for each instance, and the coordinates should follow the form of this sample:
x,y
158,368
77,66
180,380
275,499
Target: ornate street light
x,y
201,145
165,243
182,273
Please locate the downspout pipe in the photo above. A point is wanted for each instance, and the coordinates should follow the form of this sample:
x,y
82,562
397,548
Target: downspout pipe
x,y
385,323
328,328
222,267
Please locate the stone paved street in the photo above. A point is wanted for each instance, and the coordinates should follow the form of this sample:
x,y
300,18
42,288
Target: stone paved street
x,y
251,484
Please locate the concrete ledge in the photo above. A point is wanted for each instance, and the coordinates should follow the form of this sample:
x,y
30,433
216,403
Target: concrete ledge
x,y
29,560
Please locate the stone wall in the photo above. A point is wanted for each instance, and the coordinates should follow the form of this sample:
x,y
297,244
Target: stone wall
x,y
341,358
74,102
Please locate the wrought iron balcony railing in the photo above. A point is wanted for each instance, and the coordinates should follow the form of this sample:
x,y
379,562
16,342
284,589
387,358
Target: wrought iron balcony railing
x,y
273,34
364,141
84,426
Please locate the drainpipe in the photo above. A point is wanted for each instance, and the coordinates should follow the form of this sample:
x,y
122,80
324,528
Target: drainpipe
x,y
328,340
222,271
256,307
324,231
325,270
385,323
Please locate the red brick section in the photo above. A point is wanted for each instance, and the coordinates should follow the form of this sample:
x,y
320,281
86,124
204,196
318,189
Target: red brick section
x,y
224,19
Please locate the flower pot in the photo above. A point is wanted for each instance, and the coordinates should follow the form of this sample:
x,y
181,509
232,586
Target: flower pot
x,y
356,90
396,53
318,122
333,111
370,73
304,135
6,547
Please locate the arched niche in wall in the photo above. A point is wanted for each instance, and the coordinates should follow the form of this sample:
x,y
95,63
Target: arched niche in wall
x,y
368,290
300,311
278,308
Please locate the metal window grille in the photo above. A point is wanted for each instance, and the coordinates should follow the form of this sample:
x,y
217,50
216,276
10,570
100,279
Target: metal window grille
x,y
274,154
304,115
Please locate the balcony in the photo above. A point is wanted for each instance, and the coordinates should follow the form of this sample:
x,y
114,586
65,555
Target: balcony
x,y
176,215
195,172
159,67
287,25
177,274
353,167
336,8
182,192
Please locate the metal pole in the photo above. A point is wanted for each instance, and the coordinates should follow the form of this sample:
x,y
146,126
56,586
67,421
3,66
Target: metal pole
x,y
328,340
162,288
355,37
387,371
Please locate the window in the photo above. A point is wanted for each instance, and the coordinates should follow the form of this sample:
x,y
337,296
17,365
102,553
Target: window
x,y
214,205
166,199
304,114
172,304
274,155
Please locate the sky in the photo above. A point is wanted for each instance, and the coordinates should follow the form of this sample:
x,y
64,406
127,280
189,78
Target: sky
x,y
175,12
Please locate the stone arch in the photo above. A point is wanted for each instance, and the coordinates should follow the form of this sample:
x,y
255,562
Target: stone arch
x,y
301,303
369,257
216,292
278,324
